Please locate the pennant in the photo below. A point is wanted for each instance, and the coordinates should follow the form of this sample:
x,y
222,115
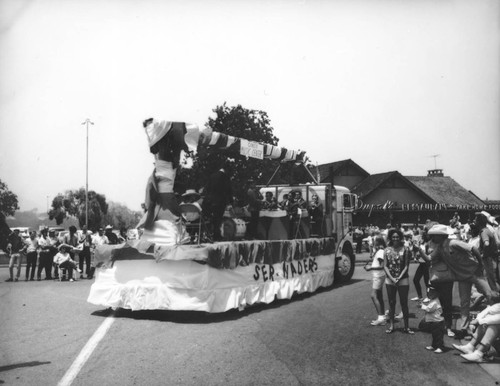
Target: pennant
x,y
192,136
214,138
290,155
283,154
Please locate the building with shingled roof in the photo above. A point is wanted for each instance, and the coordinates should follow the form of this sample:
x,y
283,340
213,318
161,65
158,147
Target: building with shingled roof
x,y
396,199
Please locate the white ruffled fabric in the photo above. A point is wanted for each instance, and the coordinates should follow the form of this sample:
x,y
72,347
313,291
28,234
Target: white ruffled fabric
x,y
191,286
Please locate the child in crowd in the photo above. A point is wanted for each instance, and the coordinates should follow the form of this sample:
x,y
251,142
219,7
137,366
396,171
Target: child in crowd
x,y
378,277
63,260
433,320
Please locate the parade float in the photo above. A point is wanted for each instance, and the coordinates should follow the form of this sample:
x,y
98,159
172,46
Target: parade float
x,y
165,270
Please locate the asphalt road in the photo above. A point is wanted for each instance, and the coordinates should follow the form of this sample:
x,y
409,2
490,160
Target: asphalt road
x,y
314,339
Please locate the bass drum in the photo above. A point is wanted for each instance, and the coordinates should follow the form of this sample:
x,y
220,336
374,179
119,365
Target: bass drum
x,y
233,229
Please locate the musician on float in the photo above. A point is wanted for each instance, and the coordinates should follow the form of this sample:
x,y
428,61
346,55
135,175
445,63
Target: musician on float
x,y
270,202
316,212
285,203
296,203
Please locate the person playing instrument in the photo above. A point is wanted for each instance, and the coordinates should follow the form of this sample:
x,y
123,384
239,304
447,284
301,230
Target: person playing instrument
x,y
316,212
270,202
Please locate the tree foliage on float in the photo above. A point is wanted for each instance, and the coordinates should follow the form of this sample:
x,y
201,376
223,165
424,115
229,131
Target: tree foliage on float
x,y
72,203
252,125
8,200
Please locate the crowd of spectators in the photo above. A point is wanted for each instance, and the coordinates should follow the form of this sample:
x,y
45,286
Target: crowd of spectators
x,y
456,252
53,256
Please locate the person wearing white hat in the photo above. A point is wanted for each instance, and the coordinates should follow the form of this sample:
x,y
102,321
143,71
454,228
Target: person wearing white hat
x,y
465,263
112,237
64,260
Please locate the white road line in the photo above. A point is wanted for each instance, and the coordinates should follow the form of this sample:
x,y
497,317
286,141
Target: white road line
x,y
84,355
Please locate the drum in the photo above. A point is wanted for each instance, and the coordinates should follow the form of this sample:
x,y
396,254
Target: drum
x,y
233,229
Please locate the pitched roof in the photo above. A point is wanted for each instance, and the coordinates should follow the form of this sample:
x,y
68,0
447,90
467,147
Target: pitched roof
x,y
372,182
445,190
326,169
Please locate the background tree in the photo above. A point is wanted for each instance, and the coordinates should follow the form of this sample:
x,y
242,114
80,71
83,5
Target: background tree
x,y
253,125
8,200
120,216
72,203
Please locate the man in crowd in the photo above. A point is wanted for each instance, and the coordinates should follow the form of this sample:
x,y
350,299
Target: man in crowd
x,y
45,262
31,256
112,237
53,249
84,255
15,244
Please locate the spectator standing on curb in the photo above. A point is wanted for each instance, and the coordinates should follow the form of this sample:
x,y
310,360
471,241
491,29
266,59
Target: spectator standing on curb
x,y
97,240
464,264
45,261
31,256
72,240
53,249
396,264
15,244
84,255
378,277
423,263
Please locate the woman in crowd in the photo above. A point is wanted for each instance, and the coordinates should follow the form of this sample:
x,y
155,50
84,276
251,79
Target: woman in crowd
x,y
378,275
444,289
423,264
396,264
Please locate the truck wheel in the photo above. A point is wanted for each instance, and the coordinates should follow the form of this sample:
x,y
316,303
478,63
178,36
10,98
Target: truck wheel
x,y
344,267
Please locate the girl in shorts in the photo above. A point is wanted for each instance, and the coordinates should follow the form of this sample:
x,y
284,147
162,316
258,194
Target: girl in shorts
x,y
378,277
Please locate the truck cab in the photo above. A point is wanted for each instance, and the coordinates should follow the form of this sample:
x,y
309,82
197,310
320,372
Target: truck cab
x,y
338,205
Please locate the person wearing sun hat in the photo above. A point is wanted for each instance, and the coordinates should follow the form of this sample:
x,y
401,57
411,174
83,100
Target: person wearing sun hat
x,y
190,196
465,263
63,260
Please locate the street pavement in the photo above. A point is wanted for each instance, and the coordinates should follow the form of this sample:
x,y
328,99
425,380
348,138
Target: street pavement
x,y
314,339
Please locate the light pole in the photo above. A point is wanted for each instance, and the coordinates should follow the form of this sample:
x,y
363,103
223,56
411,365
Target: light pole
x,y
87,121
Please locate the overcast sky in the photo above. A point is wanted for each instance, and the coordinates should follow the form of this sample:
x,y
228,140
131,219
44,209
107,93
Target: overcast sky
x,y
386,83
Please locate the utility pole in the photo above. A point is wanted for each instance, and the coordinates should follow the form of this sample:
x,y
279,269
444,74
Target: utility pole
x,y
87,121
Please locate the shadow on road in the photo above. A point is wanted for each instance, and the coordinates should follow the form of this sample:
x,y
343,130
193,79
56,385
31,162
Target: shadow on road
x,y
25,364
199,317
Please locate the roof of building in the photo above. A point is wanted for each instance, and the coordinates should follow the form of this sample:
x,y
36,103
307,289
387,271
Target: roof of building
x,y
371,183
326,169
445,190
